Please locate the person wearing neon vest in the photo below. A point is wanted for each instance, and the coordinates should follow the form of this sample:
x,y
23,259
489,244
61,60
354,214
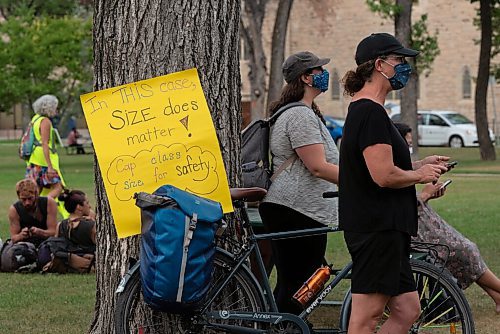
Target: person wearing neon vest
x,y
43,165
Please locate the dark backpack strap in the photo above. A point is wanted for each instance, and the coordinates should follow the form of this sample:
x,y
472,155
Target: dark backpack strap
x,y
64,229
277,114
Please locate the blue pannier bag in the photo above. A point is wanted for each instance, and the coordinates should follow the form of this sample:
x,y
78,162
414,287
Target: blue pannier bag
x,y
177,248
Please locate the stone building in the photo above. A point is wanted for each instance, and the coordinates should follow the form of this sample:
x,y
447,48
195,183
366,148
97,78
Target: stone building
x,y
333,28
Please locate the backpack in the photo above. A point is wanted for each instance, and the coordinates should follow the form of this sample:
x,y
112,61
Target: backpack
x,y
16,256
255,155
61,255
28,141
177,248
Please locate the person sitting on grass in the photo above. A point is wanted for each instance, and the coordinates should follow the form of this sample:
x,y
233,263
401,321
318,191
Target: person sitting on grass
x,y
73,249
80,226
464,261
32,218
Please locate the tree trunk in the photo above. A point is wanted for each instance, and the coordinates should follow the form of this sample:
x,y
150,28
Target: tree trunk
x,y
486,148
252,19
402,25
278,50
135,40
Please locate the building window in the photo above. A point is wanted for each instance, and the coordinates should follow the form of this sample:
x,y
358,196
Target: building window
x,y
466,83
335,80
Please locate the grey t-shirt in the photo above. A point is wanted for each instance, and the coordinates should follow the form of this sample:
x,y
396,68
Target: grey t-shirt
x,y
295,187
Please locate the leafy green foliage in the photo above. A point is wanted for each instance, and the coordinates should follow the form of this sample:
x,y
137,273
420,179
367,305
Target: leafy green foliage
x,y
421,39
55,8
426,43
43,54
386,8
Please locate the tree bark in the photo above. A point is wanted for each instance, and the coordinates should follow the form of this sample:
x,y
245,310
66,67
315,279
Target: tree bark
x,y
135,40
402,25
252,19
486,147
278,50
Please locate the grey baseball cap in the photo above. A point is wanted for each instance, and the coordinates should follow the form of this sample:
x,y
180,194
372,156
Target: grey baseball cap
x,y
299,63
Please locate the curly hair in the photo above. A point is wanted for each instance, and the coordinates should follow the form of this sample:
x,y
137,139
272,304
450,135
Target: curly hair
x,y
354,81
45,105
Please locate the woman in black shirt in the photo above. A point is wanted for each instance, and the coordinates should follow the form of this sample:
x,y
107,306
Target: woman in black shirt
x,y
377,203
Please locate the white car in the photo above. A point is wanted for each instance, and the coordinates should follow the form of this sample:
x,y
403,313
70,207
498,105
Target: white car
x,y
444,128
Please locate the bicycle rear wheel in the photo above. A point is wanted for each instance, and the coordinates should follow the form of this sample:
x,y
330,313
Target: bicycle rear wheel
x,y
444,308
133,316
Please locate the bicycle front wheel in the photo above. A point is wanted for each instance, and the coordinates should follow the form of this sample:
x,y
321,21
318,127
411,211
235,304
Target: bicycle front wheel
x,y
444,308
133,316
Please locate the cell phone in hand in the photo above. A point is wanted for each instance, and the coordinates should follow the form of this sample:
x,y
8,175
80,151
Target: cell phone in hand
x,y
452,164
445,184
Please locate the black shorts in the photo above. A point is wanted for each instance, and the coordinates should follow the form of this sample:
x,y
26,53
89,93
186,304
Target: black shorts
x,y
381,262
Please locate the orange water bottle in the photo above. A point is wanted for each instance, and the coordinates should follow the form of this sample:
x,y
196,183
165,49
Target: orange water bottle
x,y
313,285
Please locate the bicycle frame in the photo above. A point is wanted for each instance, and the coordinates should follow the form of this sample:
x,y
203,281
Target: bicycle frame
x,y
272,315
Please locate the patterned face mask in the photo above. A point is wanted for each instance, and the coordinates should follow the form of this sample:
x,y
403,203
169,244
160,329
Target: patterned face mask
x,y
401,75
320,80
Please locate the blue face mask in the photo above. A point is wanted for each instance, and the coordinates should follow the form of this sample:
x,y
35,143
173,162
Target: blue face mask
x,y
401,75
320,80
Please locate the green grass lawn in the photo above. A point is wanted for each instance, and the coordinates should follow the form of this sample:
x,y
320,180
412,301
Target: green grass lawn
x,y
33,303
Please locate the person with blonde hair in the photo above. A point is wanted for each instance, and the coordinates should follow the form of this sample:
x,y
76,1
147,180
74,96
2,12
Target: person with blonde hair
x,y
43,164
32,218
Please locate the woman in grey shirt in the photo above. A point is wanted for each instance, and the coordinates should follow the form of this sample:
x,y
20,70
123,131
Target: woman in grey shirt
x,y
301,141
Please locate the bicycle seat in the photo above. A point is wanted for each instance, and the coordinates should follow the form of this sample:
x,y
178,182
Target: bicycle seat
x,y
253,194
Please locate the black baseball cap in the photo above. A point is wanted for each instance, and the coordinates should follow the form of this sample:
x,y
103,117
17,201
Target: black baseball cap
x,y
381,44
299,63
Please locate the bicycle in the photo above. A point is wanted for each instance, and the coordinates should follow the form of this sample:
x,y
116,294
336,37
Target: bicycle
x,y
237,303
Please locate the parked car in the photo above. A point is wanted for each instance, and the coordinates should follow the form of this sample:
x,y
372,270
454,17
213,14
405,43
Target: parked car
x,y
444,128
335,126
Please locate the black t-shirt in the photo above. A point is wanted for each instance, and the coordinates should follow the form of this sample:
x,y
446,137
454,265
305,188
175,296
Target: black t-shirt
x,y
28,220
363,205
81,235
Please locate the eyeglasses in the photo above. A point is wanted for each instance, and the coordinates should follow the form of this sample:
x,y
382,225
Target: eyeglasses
x,y
399,59
316,68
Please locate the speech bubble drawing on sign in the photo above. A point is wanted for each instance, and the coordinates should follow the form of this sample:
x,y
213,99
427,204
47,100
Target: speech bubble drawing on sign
x,y
161,165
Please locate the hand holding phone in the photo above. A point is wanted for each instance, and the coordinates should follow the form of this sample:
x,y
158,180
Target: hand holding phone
x,y
445,184
451,164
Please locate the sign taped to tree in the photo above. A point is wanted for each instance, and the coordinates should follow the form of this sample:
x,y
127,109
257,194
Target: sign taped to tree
x,y
154,132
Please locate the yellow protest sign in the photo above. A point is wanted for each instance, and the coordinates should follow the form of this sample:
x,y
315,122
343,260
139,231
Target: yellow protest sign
x,y
155,132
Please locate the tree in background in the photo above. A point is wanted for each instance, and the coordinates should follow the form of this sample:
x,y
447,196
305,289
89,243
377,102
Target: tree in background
x,y
278,50
486,8
417,37
54,8
134,42
252,19
266,86
495,24
42,52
